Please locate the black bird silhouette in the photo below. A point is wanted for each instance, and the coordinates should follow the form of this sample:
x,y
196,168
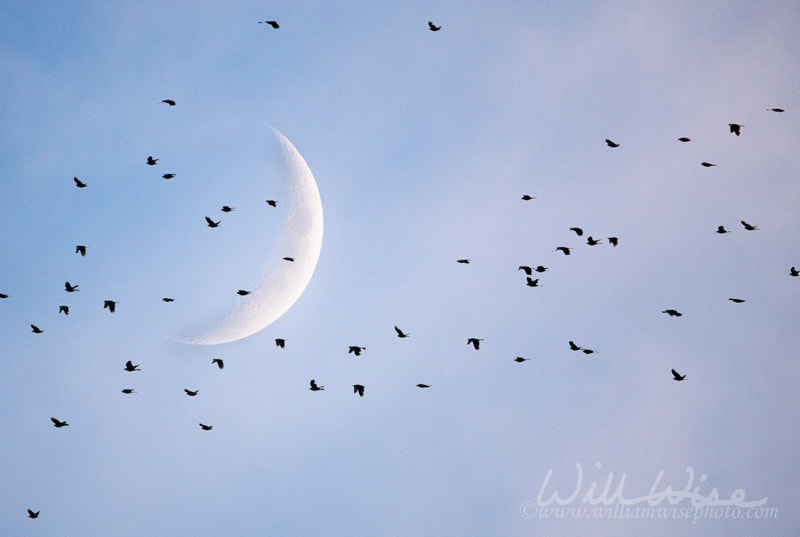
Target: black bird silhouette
x,y
677,376
211,223
79,183
3,295
226,209
721,230
151,161
314,387
779,110
463,261
423,385
749,227
242,292
220,363
400,333
35,329
564,249
530,282
280,342
290,259
793,272
588,351
672,313
81,249
167,299
609,143
528,198
737,300
355,350
206,427
578,231
169,102
707,164
475,342
573,347
613,241
168,175
735,128
433,28
32,514
359,389
63,309
520,359
58,423
111,305
528,270
684,139
128,391
540,268
129,366
591,242
69,288
272,203
191,393
274,24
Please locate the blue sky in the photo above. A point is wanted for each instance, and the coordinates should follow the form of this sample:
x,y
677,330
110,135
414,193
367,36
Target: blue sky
x,y
422,144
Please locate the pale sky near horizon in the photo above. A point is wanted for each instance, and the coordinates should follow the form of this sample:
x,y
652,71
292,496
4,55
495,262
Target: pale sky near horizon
x,y
422,144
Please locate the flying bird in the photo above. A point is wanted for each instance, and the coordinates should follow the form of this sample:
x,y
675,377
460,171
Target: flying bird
x,y
707,164
63,309
168,175
226,209
280,343
677,376
591,242
588,351
528,270
69,288
530,282
793,272
721,230
211,223
359,389
169,102
151,161
81,249
167,299
520,359
314,387
206,427
32,514
423,385
355,350
609,143
400,333
737,300
3,295
564,249
290,259
475,342
735,128
274,24
129,366
58,423
242,292
463,261
191,393
749,227
779,110
528,198
35,329
578,231
432,27
573,347
684,139
111,305
613,241
540,268
672,313
219,362
79,183
272,203
128,391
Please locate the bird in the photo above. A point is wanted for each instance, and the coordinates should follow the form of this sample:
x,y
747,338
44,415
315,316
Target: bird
x,y
684,139
540,268
110,304
58,423
355,350
359,389
242,292
531,282
220,363
423,385
528,270
206,427
227,209
475,342
314,387
578,231
564,249
289,259
129,366
280,343
79,183
528,198
707,164
272,203
573,347
672,313
591,242
191,393
721,230
80,249
735,128
167,299
69,288
3,295
609,143
613,241
749,227
274,24
588,351
793,272
151,161
169,102
128,391
33,514
400,333
432,27
168,175
463,261
520,359
63,309
35,329
211,223
737,300
677,376
779,110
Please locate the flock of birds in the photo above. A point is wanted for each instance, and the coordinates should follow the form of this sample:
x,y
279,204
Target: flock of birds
x,y
359,389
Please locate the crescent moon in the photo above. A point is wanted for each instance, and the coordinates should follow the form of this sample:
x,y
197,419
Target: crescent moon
x,y
281,282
